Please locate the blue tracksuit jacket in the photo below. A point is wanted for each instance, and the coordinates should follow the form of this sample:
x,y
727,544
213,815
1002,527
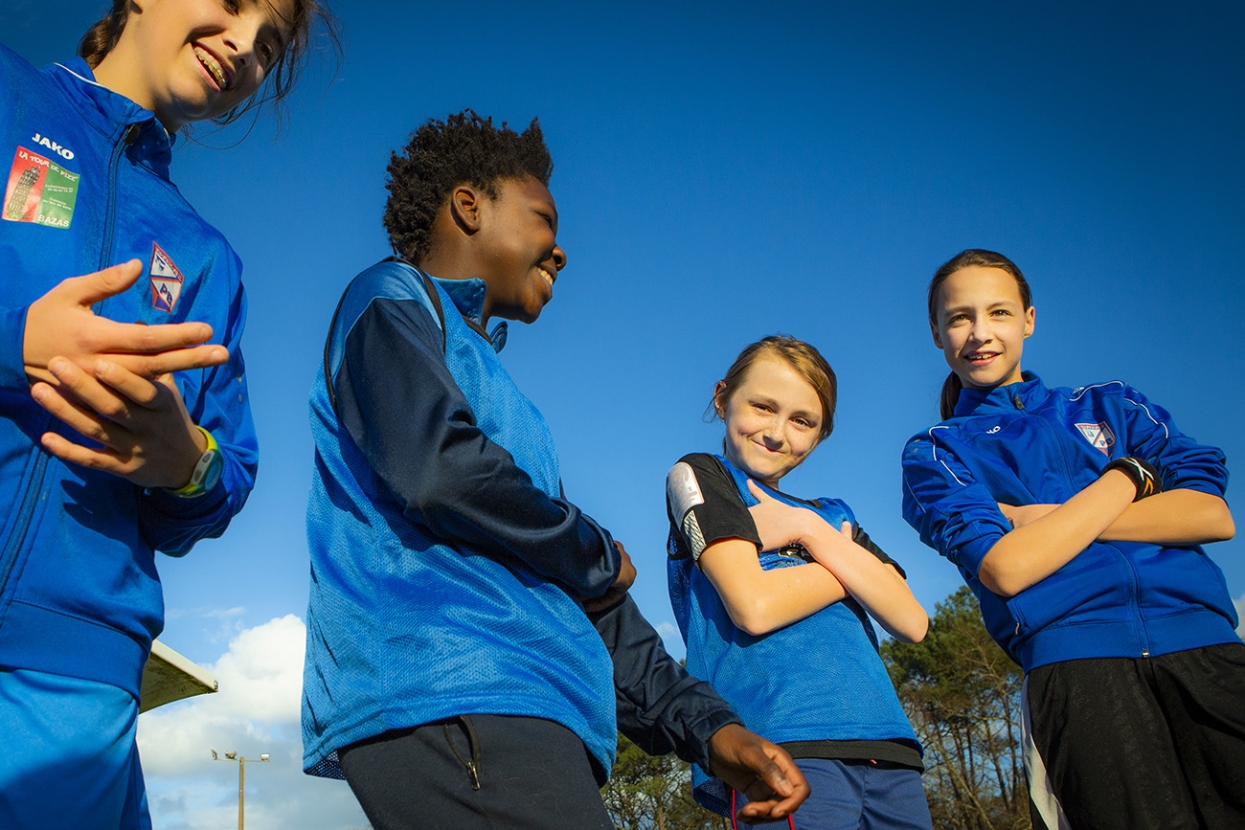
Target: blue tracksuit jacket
x,y
1026,444
87,187
445,562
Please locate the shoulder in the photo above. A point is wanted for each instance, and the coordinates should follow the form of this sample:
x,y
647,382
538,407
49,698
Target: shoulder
x,y
697,478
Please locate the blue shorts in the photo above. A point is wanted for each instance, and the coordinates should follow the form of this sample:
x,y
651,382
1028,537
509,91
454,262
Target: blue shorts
x,y
69,758
860,795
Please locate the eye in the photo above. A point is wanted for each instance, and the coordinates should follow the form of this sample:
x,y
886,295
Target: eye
x,y
1001,312
761,407
267,52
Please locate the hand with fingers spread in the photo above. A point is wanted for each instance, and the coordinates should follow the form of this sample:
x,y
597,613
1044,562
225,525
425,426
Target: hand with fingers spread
x,y
61,323
780,524
144,432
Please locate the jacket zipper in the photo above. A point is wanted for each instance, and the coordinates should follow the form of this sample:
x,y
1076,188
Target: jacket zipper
x,y
1133,587
18,538
127,138
31,496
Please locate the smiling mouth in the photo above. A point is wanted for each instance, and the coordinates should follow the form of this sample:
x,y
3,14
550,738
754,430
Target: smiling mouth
x,y
978,357
213,67
549,278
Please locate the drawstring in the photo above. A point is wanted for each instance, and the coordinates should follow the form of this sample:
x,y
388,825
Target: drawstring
x,y
473,766
735,823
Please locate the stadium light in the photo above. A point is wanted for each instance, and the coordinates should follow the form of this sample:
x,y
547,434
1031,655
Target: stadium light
x,y
241,759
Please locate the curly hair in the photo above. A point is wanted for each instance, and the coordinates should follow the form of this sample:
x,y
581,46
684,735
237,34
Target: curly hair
x,y
279,79
441,155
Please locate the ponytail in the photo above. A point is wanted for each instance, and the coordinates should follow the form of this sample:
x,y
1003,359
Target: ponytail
x,y
951,388
101,38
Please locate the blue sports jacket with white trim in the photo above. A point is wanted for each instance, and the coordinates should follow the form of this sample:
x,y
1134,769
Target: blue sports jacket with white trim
x,y
86,187
1026,444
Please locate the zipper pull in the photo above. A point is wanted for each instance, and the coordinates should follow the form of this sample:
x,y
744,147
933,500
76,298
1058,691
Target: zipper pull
x,y
131,134
475,776
1017,402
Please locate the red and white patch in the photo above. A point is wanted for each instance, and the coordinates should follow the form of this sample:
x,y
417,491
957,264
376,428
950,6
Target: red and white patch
x,y
1099,436
166,280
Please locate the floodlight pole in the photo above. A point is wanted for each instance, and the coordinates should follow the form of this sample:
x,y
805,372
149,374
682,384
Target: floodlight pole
x,y
241,759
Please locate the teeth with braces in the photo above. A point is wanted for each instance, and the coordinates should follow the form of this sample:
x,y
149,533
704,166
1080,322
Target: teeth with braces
x,y
212,66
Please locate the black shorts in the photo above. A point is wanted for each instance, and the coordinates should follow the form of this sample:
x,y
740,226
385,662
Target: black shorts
x,y
1141,743
476,772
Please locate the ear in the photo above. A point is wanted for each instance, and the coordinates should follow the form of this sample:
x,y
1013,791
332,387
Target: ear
x,y
464,203
719,401
937,337
1030,316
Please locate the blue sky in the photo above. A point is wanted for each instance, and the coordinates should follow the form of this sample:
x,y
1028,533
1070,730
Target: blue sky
x,y
723,171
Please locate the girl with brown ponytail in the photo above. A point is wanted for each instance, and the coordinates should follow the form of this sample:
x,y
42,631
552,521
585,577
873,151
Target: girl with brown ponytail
x,y
1076,516
124,422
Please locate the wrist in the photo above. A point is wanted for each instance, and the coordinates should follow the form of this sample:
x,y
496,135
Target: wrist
x,y
207,469
1142,474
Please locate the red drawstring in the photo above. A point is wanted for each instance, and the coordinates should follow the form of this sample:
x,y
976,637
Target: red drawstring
x,y
735,823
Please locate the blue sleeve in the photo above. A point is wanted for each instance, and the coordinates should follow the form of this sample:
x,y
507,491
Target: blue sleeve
x,y
401,406
1184,463
661,708
12,351
955,515
217,400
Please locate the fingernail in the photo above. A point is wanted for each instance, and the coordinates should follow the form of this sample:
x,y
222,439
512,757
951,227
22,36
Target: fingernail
x,y
102,367
57,365
39,393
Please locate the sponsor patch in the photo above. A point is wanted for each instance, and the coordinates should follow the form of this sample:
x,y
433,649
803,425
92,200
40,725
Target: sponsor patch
x,y
682,490
40,191
1099,436
166,280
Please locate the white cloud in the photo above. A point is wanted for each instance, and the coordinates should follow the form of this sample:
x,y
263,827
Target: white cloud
x,y
256,711
671,638
1239,602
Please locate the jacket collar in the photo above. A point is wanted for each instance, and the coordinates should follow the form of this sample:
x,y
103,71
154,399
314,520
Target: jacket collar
x,y
113,114
468,298
1015,396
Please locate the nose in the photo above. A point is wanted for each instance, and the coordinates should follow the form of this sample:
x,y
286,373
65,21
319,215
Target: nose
x,y
980,332
559,257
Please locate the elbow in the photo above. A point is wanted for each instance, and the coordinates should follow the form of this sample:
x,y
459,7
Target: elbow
x,y
1223,528
1000,581
753,619
914,629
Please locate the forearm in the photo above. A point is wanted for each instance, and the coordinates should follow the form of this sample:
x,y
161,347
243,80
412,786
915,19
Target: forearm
x,y
877,586
1029,554
759,601
1173,517
661,708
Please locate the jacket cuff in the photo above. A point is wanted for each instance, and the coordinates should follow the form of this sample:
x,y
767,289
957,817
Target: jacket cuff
x,y
704,729
12,338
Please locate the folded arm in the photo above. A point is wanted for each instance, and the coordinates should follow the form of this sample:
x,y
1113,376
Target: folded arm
x,y
876,585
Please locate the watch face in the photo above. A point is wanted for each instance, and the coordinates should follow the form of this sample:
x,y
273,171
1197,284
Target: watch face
x,y
212,475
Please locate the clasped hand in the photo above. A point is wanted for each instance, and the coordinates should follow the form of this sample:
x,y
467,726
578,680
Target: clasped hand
x,y
112,383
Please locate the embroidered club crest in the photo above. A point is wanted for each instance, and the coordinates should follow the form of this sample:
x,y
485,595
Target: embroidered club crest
x,y
166,280
1099,436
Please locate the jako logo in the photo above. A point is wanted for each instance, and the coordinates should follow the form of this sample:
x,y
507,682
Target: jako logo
x,y
42,141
